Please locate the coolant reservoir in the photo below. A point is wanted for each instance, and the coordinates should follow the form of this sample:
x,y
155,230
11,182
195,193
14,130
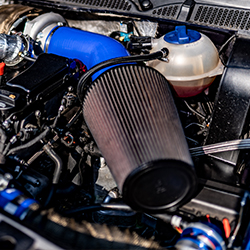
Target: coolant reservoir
x,y
193,61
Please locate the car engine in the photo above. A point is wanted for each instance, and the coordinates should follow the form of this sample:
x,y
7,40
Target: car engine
x,y
124,124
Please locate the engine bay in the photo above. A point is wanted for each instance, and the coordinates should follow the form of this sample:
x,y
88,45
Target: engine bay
x,y
124,124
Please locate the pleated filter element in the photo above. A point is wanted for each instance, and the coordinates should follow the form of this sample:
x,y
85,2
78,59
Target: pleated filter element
x,y
132,116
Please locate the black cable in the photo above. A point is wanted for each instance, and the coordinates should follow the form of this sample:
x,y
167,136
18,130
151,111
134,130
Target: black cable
x,y
223,46
78,210
136,28
126,59
74,118
226,43
30,143
56,119
67,189
49,197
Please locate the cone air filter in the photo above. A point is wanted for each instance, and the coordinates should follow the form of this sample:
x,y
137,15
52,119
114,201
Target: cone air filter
x,y
131,114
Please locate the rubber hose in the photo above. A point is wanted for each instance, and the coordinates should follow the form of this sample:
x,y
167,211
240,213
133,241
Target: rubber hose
x,y
49,197
126,59
30,143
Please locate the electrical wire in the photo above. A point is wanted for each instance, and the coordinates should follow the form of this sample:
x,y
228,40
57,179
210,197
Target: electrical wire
x,y
96,207
220,147
50,196
195,123
225,44
192,140
237,228
74,118
194,111
30,143
136,28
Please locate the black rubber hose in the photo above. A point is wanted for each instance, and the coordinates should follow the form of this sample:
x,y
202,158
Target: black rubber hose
x,y
67,189
80,210
166,218
30,143
119,60
49,197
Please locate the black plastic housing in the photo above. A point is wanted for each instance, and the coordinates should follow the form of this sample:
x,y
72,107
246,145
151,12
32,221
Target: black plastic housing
x,y
231,108
40,82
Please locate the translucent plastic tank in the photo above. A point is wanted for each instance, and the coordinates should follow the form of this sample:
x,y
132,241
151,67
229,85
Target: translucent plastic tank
x,y
193,61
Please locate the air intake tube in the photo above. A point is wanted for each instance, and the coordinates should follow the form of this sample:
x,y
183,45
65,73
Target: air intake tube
x,y
131,114
51,32
88,47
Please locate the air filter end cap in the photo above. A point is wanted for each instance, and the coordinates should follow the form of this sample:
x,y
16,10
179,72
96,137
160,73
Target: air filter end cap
x,y
159,186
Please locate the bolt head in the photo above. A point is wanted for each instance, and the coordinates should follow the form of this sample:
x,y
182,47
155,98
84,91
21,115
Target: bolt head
x,y
146,3
40,35
8,176
38,113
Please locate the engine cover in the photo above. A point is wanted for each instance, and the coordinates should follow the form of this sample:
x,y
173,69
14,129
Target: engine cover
x,y
38,83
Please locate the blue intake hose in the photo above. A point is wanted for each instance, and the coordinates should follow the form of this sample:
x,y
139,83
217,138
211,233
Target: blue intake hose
x,y
88,47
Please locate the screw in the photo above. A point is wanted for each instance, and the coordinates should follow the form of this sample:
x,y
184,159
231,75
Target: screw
x,y
8,176
70,89
38,113
146,4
